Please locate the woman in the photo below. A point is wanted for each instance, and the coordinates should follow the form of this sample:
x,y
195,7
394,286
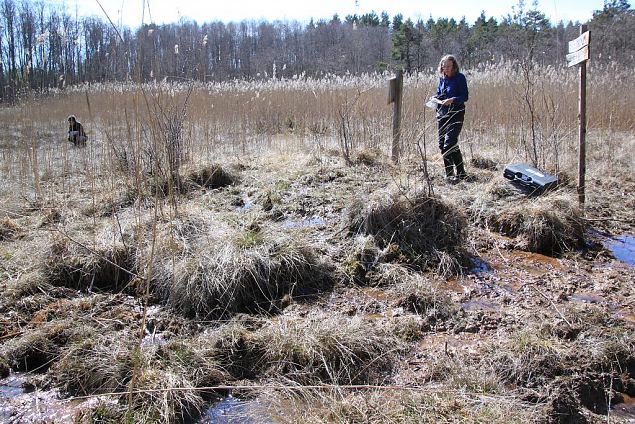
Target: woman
x,y
451,96
76,133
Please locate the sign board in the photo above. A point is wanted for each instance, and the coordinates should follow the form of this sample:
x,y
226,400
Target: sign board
x,y
578,57
578,43
392,90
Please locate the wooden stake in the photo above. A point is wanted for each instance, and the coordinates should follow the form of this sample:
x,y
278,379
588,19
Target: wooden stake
x,y
582,127
396,90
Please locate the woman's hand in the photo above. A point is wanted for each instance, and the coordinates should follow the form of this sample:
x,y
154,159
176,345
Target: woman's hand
x,y
447,102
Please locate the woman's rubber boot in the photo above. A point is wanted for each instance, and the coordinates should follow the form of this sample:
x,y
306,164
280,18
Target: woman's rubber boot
x,y
457,160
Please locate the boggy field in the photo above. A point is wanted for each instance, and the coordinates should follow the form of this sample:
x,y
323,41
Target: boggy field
x,y
295,281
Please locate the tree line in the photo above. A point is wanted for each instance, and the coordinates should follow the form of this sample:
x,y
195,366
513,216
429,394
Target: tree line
x,y
44,47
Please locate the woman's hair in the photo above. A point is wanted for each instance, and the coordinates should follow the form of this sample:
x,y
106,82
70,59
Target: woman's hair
x,y
449,58
72,117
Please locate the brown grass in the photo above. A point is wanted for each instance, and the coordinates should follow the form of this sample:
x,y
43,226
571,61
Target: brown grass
x,y
400,406
550,224
425,228
75,265
205,267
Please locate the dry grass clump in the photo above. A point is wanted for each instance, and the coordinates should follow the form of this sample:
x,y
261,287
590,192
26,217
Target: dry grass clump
x,y
102,412
96,363
165,406
38,347
204,267
9,229
175,365
209,176
528,358
320,349
325,349
107,363
483,163
5,369
425,228
75,266
368,157
426,299
548,224
402,406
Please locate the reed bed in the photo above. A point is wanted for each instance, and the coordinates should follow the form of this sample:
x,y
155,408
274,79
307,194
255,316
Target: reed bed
x,y
216,201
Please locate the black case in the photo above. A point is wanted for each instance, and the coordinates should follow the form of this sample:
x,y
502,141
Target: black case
x,y
531,180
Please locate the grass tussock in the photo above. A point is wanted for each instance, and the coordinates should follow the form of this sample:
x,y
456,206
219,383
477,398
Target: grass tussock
x,y
5,369
96,364
426,229
163,405
320,349
36,349
549,224
108,363
100,266
9,229
395,406
368,157
429,300
204,267
326,349
529,358
209,176
483,163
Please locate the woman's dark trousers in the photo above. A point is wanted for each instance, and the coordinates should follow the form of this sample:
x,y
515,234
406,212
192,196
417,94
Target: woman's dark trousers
x,y
450,126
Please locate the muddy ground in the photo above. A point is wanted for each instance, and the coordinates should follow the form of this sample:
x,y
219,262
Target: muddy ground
x,y
501,326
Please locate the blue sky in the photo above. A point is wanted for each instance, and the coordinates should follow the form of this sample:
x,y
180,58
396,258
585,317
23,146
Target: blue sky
x,y
129,12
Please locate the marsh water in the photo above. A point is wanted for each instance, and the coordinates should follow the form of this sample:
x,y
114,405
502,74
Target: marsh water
x,y
232,410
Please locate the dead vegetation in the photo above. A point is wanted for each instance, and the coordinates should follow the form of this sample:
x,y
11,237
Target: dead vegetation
x,y
397,406
326,349
250,285
104,263
551,224
426,230
204,267
9,229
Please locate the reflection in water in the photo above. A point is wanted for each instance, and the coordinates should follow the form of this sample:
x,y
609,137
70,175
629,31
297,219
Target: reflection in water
x,y
623,248
479,266
231,410
479,305
306,223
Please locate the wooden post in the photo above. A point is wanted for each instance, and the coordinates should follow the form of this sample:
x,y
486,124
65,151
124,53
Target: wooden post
x,y
579,54
582,127
394,97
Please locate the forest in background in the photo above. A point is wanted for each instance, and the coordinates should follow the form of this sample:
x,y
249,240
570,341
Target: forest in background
x,y
44,47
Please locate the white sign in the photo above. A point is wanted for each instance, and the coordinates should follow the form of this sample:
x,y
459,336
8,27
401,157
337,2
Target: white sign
x,y
578,57
578,43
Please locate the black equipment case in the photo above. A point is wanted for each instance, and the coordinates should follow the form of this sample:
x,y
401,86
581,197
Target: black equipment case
x,y
529,179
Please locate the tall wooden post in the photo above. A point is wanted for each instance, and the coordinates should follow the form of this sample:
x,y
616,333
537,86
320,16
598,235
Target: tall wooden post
x,y
582,127
394,97
579,54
